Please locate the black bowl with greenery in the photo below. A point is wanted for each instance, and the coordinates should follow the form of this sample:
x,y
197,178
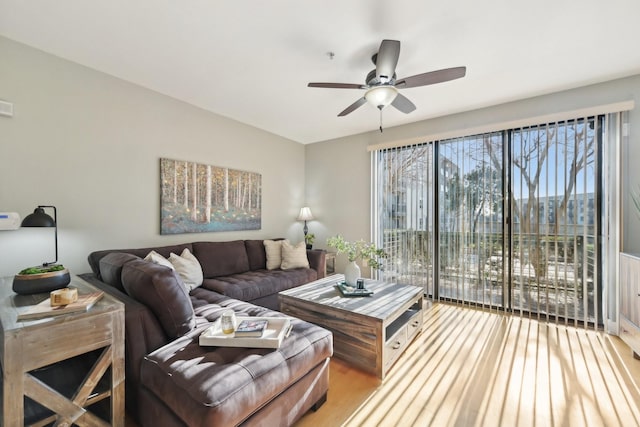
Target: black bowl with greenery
x,y
35,280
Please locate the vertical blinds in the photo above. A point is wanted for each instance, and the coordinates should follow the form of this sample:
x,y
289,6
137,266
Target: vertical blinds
x,y
472,255
508,220
404,205
556,182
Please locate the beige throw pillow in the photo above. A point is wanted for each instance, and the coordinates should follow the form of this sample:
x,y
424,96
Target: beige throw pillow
x,y
156,258
273,250
188,267
294,256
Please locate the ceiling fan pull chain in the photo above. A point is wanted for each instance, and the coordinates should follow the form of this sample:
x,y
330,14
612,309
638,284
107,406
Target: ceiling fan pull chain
x,y
380,120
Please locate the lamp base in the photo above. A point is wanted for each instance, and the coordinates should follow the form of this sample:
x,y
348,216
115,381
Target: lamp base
x,y
25,284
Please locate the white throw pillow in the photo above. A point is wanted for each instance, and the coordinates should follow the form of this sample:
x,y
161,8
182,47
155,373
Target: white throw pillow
x,y
188,267
294,256
273,250
156,258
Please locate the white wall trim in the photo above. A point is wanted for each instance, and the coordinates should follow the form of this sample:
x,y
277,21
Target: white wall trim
x,y
512,124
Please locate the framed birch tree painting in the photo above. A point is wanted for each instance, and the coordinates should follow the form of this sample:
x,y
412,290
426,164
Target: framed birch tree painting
x,y
198,198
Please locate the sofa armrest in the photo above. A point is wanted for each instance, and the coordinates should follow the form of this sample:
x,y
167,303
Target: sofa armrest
x,y
317,261
143,333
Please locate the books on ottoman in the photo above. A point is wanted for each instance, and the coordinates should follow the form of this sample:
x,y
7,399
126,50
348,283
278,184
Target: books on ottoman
x,y
250,328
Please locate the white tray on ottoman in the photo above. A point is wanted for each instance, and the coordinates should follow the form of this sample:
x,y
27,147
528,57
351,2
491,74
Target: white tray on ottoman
x,y
277,329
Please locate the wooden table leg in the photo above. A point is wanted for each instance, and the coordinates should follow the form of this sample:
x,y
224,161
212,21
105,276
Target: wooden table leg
x,y
13,386
117,372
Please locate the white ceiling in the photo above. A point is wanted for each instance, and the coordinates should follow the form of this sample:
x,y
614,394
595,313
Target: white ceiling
x,y
251,60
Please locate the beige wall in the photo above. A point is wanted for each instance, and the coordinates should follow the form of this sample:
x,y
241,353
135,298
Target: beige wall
x,y
338,171
338,181
90,144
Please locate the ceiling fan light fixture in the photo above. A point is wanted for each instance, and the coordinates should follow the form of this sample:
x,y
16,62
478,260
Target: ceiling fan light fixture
x,y
381,96
382,86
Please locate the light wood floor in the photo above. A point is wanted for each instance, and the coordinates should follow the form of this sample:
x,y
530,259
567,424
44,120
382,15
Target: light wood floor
x,y
473,368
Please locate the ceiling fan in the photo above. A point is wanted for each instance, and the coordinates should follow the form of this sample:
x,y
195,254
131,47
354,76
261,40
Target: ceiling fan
x,y
382,85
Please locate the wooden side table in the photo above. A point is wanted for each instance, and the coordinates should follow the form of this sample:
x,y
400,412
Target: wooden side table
x,y
29,345
330,263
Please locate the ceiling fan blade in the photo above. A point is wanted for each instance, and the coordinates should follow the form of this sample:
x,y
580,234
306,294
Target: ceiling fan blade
x,y
387,60
338,85
431,77
352,107
403,104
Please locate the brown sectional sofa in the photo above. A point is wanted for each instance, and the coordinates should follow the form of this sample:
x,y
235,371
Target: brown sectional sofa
x,y
236,269
171,380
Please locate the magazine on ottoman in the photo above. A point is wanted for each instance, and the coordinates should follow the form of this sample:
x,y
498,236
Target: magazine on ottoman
x,y
276,330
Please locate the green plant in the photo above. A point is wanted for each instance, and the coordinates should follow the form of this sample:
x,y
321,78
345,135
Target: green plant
x,y
358,251
40,270
309,238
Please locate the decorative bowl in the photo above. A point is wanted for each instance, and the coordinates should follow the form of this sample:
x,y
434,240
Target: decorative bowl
x,y
40,282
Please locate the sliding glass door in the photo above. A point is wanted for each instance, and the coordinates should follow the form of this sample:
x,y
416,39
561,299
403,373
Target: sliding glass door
x,y
404,213
508,220
470,220
556,210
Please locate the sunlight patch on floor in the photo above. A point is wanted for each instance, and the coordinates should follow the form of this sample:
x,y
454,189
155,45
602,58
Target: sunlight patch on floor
x,y
473,368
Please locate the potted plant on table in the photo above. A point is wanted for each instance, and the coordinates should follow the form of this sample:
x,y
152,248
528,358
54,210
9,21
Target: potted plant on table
x,y
309,238
357,251
39,279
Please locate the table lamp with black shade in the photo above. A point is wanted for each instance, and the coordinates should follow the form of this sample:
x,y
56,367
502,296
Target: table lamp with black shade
x,y
49,276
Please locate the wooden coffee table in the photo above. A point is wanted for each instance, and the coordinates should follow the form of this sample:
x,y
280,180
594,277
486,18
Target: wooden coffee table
x,y
368,332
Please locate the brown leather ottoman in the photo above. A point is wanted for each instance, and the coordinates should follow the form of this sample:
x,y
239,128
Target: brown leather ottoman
x,y
225,386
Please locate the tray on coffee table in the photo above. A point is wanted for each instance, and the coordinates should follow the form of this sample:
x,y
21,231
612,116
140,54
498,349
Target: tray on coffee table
x,y
351,291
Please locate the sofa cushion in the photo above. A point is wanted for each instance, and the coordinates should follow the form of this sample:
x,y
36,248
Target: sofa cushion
x,y
111,268
294,256
188,267
273,250
256,253
208,306
222,386
161,289
260,283
95,257
156,258
221,258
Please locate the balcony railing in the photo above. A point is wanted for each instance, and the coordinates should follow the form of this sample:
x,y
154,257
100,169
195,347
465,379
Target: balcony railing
x,y
551,275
